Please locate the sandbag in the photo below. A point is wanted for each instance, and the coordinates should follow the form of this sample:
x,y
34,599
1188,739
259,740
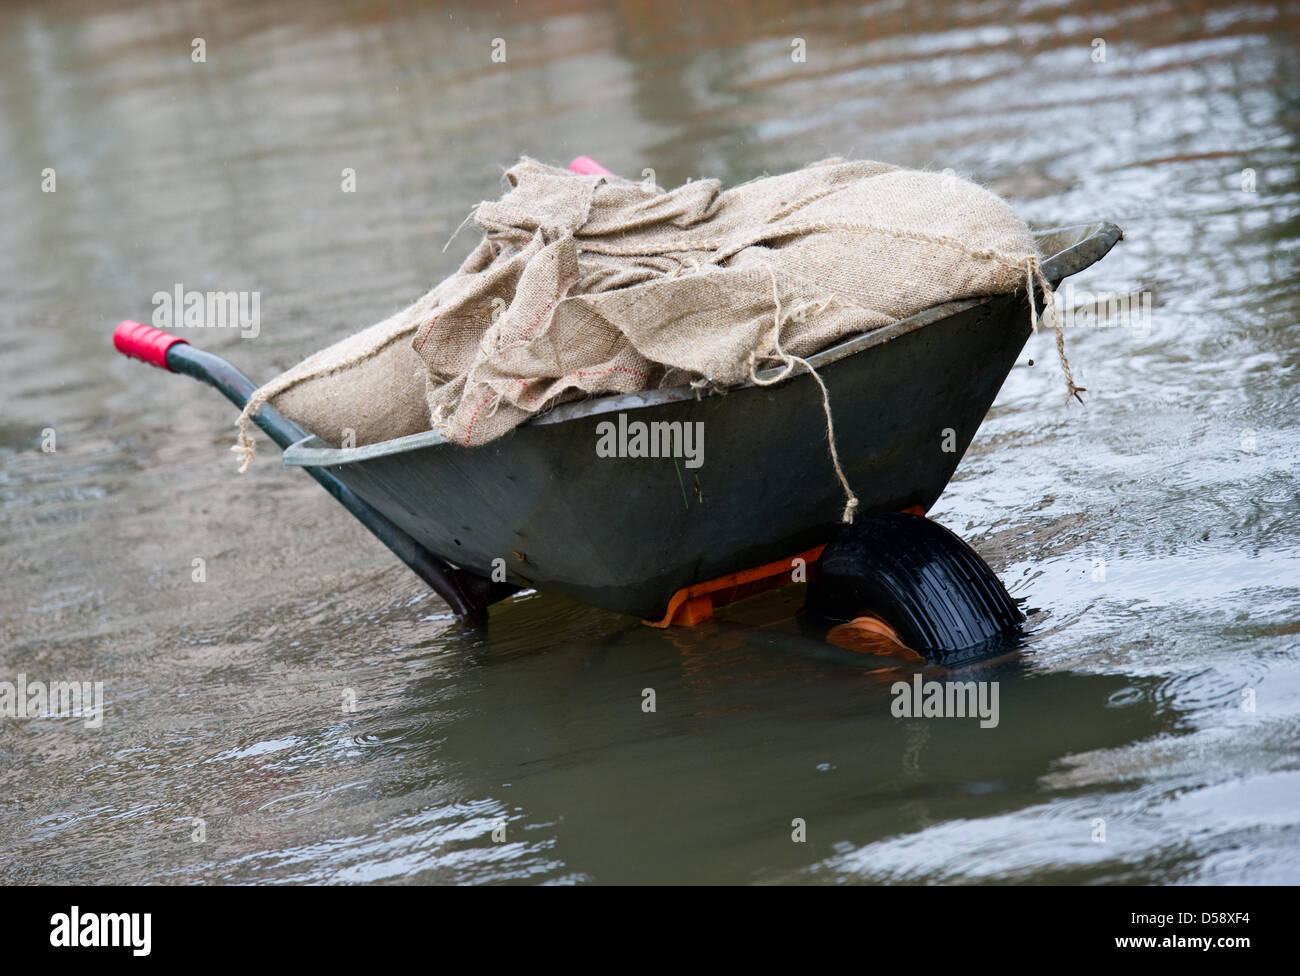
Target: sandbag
x,y
585,285
366,388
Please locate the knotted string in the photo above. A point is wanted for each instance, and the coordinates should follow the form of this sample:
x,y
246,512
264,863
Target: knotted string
x,y
1034,273
790,361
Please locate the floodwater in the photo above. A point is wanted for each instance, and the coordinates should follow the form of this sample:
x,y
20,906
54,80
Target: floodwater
x,y
1149,730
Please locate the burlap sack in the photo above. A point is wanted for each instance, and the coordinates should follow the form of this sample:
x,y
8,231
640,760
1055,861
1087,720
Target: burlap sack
x,y
367,388
585,285
612,285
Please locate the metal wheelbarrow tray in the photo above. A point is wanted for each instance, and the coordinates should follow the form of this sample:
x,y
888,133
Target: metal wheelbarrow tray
x,y
626,534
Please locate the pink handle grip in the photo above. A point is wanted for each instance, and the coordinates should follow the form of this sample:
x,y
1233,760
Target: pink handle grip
x,y
144,342
588,167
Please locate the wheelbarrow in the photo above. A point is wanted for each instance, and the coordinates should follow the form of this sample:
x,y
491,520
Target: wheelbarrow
x,y
540,508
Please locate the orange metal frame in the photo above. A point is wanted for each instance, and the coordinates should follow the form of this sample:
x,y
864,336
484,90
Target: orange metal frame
x,y
695,604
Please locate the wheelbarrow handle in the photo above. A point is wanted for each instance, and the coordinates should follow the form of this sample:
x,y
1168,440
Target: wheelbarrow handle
x,y
144,342
174,354
467,593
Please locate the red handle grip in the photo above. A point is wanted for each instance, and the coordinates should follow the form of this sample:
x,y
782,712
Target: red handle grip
x,y
144,342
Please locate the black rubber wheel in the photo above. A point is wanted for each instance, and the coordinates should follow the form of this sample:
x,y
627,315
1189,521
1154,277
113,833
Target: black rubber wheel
x,y
919,578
